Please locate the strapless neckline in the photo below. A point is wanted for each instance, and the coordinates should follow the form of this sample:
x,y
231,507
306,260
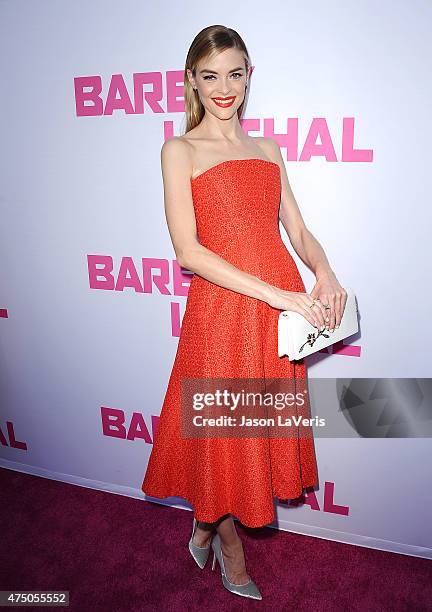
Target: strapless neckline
x,y
231,161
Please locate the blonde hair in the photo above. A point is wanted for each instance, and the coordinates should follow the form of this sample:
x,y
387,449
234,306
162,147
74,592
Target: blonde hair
x,y
210,41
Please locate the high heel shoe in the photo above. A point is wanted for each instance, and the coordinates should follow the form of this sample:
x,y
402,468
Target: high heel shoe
x,y
199,553
249,589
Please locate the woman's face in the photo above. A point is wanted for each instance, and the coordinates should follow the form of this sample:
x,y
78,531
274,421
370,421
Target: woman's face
x,y
222,77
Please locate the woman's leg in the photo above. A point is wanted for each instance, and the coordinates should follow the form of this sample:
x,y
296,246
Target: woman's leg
x,y
232,549
231,545
203,533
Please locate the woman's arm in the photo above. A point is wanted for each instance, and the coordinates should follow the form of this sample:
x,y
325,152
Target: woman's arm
x,y
179,210
307,247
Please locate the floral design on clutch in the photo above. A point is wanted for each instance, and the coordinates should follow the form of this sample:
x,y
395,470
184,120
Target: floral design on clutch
x,y
312,338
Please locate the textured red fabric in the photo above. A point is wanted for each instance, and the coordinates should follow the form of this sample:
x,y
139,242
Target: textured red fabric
x,y
228,334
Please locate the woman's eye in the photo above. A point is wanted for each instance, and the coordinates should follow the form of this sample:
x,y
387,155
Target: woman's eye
x,y
211,76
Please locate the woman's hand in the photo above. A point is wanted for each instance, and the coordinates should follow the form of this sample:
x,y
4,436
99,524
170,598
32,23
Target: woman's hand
x,y
328,290
298,302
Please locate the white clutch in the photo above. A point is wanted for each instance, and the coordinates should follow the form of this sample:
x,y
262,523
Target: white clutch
x,y
298,338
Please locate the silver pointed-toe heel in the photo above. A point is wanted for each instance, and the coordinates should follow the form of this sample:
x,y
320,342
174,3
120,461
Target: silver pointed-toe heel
x,y
249,589
199,553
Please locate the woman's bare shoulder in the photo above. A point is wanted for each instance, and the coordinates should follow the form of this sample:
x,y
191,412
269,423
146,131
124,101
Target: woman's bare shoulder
x,y
176,144
177,150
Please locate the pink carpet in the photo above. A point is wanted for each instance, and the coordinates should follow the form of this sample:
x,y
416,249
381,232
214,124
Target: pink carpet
x,y
114,553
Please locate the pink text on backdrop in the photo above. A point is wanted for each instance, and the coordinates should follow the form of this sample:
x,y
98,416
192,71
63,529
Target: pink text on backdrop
x,y
310,499
8,438
146,86
92,100
114,425
152,274
318,142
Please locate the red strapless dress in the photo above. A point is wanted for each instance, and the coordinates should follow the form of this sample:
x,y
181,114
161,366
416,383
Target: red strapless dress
x,y
226,334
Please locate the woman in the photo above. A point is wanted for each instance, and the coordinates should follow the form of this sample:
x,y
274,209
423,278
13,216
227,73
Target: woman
x,y
224,195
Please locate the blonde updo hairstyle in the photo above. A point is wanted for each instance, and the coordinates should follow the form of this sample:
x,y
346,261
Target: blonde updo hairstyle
x,y
207,43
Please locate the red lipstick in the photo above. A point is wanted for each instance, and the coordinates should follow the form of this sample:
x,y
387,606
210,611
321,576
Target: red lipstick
x,y
224,102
